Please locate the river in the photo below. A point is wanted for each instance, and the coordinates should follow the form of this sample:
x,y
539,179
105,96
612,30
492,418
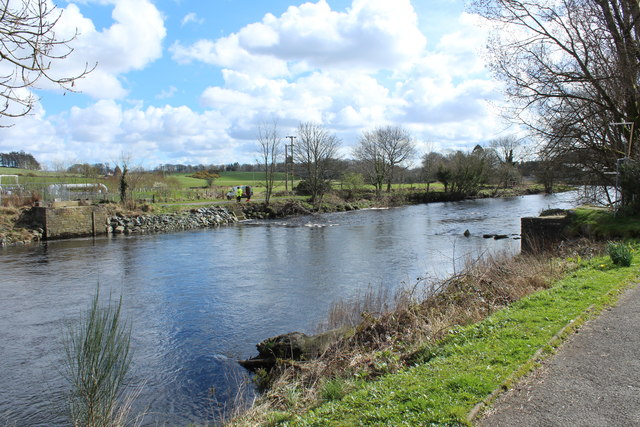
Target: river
x,y
200,300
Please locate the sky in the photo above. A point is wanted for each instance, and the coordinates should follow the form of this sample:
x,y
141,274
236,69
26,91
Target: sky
x,y
186,81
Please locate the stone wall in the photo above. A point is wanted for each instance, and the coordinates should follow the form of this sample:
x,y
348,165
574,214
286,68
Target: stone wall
x,y
71,221
543,232
81,221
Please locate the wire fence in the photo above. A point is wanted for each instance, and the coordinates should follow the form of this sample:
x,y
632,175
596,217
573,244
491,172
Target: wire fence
x,y
23,194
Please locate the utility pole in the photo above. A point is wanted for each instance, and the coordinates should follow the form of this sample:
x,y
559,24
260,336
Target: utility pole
x,y
630,138
291,137
286,170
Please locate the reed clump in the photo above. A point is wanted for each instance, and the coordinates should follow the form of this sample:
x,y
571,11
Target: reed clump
x,y
97,363
390,336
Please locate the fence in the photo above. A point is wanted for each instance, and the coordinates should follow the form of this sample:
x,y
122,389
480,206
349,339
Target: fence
x,y
23,194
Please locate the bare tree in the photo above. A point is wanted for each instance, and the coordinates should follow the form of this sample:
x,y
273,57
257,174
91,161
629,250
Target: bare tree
x,y
269,141
571,68
382,151
509,149
370,160
431,163
314,151
28,47
505,153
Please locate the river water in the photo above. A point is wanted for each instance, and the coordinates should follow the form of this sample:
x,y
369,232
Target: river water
x,y
200,300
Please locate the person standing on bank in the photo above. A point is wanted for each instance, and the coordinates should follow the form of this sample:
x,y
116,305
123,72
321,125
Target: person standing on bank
x,y
239,194
248,193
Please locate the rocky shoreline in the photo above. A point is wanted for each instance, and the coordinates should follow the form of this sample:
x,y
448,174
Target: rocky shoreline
x,y
206,217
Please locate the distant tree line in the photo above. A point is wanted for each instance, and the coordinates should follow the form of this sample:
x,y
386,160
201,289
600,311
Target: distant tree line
x,y
19,159
91,170
230,167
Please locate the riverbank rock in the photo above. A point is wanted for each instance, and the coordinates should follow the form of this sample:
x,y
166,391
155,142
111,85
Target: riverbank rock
x,y
276,210
205,217
291,346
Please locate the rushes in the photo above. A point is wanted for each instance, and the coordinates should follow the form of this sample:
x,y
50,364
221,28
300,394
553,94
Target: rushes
x,y
97,364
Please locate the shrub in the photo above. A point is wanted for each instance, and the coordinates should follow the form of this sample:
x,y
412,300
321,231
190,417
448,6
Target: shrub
x,y
97,364
620,254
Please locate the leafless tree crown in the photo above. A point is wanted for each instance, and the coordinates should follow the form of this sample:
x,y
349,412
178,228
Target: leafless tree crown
x,y
270,145
315,148
571,69
381,151
28,48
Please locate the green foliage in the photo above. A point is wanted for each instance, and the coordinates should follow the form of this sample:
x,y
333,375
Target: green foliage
x,y
354,182
468,171
262,379
278,418
96,366
444,174
620,254
208,175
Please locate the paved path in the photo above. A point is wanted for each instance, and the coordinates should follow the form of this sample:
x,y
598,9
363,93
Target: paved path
x,y
593,380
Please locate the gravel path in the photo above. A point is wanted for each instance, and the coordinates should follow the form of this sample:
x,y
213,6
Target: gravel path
x,y
593,380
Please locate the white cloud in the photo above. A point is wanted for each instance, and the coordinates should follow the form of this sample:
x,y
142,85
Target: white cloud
x,y
371,35
105,129
226,53
133,41
98,124
191,17
337,99
167,93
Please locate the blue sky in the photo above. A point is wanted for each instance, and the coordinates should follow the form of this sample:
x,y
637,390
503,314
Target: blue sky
x,y
185,81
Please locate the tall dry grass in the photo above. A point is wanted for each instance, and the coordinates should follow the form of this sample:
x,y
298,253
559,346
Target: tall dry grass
x,y
385,341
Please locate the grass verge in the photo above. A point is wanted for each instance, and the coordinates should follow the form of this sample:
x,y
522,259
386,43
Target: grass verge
x,y
472,361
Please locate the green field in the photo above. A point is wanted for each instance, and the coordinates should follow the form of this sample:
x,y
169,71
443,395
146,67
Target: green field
x,y
229,179
24,172
27,176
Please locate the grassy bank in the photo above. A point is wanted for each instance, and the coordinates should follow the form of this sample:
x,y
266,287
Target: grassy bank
x,y
468,365
605,224
437,370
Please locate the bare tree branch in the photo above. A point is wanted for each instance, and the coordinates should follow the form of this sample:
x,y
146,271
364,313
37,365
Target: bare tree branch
x,y
269,142
28,48
314,150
